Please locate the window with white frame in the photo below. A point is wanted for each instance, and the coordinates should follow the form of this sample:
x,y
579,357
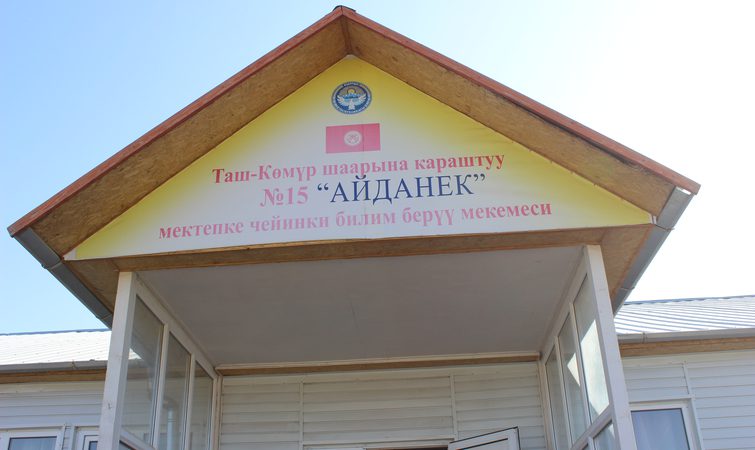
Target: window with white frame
x,y
663,426
86,438
89,442
168,394
576,382
41,439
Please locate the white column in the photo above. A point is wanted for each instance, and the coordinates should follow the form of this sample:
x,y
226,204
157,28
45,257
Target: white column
x,y
117,363
609,344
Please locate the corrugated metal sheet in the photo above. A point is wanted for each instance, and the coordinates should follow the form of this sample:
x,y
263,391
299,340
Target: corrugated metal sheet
x,y
697,314
43,348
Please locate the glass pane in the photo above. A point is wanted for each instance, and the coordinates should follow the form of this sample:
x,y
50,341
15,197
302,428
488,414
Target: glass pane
x,y
592,362
141,379
32,443
558,414
201,407
660,429
567,341
605,439
173,415
92,445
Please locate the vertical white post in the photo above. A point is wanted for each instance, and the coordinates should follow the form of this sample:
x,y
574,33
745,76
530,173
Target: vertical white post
x,y
117,363
189,403
609,344
159,406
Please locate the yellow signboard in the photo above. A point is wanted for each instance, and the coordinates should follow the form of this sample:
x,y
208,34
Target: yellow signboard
x,y
355,154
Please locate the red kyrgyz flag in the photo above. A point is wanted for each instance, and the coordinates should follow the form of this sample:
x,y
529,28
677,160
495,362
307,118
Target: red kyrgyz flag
x,y
363,137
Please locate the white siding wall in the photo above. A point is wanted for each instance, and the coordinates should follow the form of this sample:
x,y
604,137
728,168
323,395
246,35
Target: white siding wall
x,y
720,387
278,413
51,405
502,399
282,413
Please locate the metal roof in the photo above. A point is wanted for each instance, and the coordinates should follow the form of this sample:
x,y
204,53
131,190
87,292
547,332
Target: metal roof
x,y
686,315
680,317
72,348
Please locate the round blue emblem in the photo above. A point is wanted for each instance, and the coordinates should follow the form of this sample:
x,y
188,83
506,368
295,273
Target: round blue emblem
x,y
351,97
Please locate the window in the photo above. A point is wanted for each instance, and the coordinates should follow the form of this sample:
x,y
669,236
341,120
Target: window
x,y
662,427
142,375
567,342
581,414
86,438
175,393
164,381
32,443
29,440
199,430
592,360
605,439
558,411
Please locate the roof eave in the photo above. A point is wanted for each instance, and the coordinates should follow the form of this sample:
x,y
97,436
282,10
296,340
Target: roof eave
x,y
172,122
607,144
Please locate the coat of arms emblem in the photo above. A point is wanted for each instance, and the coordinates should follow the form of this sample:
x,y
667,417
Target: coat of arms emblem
x,y
351,97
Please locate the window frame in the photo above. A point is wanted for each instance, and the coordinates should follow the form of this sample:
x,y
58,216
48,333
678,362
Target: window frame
x,y
131,289
8,434
567,315
690,427
171,328
83,436
588,272
87,441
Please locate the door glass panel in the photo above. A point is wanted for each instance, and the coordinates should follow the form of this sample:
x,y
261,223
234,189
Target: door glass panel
x,y
201,406
567,341
660,429
32,443
555,392
592,362
141,378
499,440
173,415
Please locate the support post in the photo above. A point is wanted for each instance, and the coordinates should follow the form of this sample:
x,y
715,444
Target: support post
x,y
117,364
609,344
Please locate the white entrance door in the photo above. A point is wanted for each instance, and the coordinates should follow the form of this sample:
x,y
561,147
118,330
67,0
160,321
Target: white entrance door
x,y
498,440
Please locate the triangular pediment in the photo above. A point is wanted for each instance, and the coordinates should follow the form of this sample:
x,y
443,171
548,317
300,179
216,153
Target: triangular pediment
x,y
159,183
357,154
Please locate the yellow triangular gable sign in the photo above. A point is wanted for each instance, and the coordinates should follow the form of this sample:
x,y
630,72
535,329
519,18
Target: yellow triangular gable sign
x,y
354,154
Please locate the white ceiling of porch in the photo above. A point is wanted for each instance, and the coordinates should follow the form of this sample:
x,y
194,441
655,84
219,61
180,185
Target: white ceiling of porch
x,y
500,301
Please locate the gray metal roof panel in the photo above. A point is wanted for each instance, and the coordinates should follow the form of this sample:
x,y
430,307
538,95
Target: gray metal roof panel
x,y
55,347
682,315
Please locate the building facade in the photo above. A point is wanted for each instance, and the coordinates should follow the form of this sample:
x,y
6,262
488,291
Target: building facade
x,y
690,360
356,242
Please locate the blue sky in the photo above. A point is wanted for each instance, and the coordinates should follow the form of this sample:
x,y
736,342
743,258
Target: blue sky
x,y
673,80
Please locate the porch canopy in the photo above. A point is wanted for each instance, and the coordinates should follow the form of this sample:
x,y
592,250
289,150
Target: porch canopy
x,y
354,195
